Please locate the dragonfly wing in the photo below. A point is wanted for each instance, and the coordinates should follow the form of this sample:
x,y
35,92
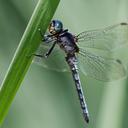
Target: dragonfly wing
x,y
55,61
101,68
109,38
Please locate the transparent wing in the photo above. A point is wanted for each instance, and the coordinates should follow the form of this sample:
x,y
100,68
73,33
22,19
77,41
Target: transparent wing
x,y
98,67
109,38
55,61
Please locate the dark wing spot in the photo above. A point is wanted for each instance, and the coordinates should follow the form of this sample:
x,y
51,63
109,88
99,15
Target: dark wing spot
x,y
118,61
123,23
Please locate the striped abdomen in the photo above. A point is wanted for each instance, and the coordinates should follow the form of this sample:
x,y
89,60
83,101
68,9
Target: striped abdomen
x,y
72,62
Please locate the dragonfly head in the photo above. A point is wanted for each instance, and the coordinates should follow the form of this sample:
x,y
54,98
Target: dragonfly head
x,y
55,27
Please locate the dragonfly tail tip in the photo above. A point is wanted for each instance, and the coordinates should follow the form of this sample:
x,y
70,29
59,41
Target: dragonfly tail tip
x,y
86,117
87,120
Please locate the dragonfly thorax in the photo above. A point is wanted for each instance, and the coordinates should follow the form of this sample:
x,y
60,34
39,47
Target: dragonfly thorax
x,y
67,43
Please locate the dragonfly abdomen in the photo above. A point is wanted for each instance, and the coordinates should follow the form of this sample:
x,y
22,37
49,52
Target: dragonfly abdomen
x,y
72,62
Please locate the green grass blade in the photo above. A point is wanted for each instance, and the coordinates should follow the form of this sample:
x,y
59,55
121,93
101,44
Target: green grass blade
x,y
22,59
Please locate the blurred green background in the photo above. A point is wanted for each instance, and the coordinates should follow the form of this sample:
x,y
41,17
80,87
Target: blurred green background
x,y
47,99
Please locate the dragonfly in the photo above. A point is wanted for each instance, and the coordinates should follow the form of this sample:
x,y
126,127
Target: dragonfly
x,y
90,51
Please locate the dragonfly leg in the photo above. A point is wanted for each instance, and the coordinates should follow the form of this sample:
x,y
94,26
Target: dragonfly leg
x,y
50,50
72,62
44,37
41,56
46,55
40,33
